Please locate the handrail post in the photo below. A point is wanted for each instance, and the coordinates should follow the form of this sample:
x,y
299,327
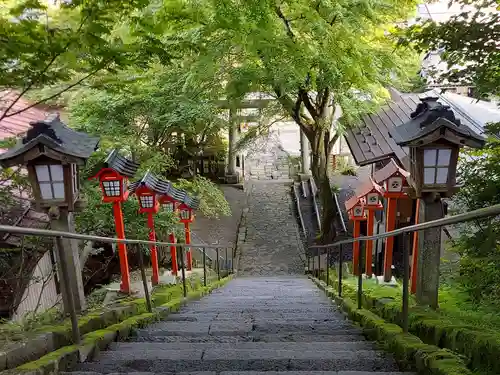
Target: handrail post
x,y
360,279
225,263
406,277
144,280
319,264
341,266
75,330
204,267
218,261
184,288
327,266
232,261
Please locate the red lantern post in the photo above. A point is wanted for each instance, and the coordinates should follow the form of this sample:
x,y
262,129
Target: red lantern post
x,y
186,216
146,192
393,179
170,205
370,194
113,180
356,211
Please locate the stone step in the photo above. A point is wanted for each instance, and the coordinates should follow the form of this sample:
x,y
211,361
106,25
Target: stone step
x,y
252,373
277,346
242,327
198,317
241,360
343,336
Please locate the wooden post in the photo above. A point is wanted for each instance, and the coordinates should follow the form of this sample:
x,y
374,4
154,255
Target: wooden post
x,y
414,263
389,241
122,248
355,247
369,244
155,279
173,254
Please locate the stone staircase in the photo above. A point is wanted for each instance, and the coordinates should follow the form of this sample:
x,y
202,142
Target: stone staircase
x,y
253,326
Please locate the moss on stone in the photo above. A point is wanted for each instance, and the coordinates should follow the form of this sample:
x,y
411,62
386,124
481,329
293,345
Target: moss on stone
x,y
409,350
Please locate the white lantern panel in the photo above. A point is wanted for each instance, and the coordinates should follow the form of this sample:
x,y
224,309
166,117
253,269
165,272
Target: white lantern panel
x,y
58,188
395,184
146,201
442,175
429,176
42,173
185,214
168,206
111,188
444,156
429,157
46,190
56,172
358,211
372,199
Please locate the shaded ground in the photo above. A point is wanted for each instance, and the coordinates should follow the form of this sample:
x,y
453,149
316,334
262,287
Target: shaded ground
x,y
223,230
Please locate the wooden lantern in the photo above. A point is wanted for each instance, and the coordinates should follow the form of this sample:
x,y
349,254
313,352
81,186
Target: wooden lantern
x,y
434,137
370,193
52,153
356,208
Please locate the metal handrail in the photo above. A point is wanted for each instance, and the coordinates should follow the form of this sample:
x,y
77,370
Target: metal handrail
x,y
86,237
460,218
339,212
471,215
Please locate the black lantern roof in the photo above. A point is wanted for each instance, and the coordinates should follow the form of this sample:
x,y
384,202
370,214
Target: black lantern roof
x,y
163,187
120,164
53,138
431,116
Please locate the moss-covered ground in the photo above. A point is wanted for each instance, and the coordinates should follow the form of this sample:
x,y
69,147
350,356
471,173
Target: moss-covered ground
x,y
458,325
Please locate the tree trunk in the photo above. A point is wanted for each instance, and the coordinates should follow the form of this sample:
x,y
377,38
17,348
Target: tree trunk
x,y
319,168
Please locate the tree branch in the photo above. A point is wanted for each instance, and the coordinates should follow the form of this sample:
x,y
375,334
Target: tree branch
x,y
286,21
54,95
308,104
44,70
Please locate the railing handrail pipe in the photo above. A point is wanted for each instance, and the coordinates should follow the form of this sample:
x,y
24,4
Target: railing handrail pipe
x,y
86,237
468,216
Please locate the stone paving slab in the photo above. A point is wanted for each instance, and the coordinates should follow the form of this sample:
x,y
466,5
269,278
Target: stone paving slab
x,y
297,346
276,354
159,366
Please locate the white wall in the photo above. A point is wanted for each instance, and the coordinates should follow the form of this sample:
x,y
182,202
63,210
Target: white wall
x,y
41,290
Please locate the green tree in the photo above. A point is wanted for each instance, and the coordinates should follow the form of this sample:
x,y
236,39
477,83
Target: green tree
x,y
470,44
312,56
66,44
479,241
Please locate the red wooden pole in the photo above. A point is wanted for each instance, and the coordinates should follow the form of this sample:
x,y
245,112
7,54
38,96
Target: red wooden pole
x,y
122,249
414,264
389,241
154,254
355,247
369,244
189,256
173,254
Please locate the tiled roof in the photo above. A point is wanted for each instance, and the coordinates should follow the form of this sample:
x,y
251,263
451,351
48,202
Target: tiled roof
x,y
387,171
120,164
370,140
163,187
56,135
20,123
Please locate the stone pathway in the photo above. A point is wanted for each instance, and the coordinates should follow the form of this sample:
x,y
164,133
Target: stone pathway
x,y
253,326
267,159
272,244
